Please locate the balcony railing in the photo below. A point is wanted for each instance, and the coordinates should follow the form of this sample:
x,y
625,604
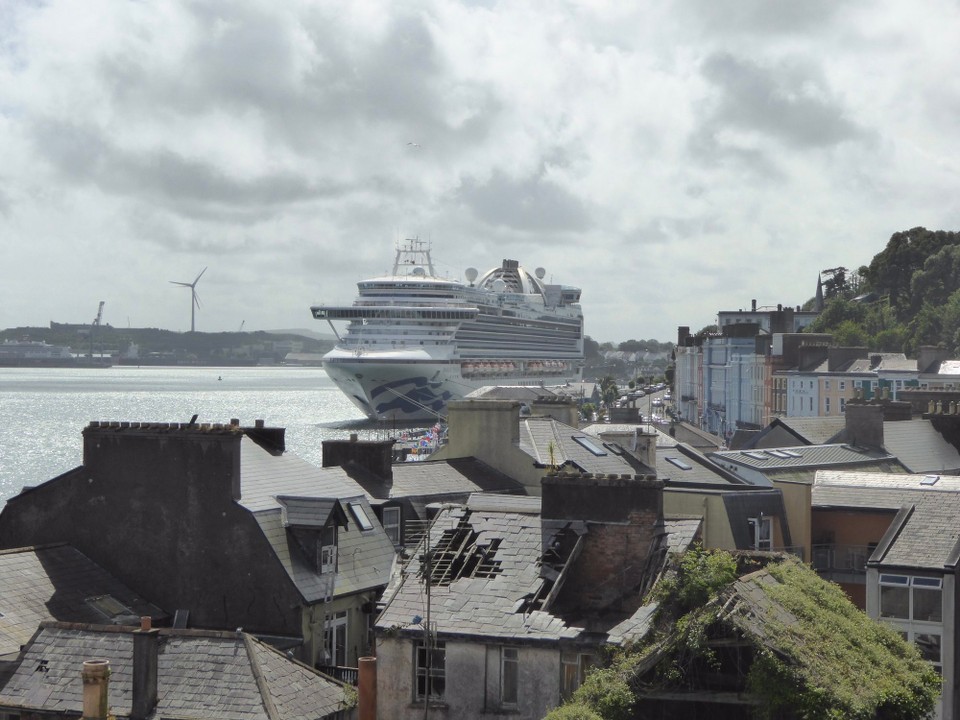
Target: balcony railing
x,y
841,558
337,672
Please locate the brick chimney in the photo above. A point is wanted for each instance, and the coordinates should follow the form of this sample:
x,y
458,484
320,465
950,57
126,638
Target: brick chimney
x,y
619,520
96,689
375,456
145,655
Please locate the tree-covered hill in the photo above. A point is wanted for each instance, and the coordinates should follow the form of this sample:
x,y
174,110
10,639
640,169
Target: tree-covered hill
x,y
908,296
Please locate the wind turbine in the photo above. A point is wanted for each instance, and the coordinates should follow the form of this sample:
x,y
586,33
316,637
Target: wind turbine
x,y
194,300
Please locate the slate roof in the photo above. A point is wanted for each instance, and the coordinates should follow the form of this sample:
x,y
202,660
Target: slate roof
x,y
492,607
200,674
684,465
54,582
538,433
918,445
273,485
596,429
810,430
437,478
926,535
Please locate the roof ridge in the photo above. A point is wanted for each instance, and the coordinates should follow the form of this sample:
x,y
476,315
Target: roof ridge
x,y
262,685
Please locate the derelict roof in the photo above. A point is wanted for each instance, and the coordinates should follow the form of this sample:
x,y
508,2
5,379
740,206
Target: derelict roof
x,y
493,605
200,674
58,582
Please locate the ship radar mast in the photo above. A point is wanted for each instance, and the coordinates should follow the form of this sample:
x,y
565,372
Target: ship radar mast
x,y
413,253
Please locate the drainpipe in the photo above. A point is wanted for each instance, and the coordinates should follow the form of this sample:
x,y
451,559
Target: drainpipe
x,y
96,681
367,688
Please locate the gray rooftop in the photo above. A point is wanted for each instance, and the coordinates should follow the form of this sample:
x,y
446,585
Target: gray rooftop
x,y
214,675
570,446
58,582
495,604
802,456
918,445
279,489
813,430
435,478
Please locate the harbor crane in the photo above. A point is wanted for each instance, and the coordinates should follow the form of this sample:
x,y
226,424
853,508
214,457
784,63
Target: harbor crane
x,y
95,326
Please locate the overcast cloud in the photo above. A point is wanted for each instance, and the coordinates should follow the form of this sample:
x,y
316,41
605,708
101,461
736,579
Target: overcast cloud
x,y
672,160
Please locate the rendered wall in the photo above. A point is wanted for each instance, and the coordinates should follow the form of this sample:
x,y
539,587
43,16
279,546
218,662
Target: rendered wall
x,y
472,682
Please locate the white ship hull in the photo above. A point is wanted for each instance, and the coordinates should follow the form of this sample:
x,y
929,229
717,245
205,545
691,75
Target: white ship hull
x,y
389,387
415,341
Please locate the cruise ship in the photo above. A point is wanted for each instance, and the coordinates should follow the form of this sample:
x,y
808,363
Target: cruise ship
x,y
414,341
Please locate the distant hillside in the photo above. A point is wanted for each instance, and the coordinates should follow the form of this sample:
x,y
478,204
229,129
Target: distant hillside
x,y
908,296
164,346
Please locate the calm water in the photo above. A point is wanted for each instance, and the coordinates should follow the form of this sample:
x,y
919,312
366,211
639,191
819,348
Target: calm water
x,y
43,411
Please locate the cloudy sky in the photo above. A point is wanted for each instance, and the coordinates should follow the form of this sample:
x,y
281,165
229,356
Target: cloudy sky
x,y
672,158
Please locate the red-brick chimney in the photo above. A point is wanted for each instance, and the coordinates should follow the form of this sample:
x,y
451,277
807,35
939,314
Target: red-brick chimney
x,y
619,521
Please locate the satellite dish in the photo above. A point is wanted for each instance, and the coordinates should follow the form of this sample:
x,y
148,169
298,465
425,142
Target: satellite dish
x,y
471,274
540,272
419,272
499,285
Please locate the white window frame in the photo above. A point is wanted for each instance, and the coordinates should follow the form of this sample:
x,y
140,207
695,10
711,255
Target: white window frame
x,y
360,515
914,630
335,636
327,550
761,533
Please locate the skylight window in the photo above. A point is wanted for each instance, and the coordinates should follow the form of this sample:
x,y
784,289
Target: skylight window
x,y
930,480
679,463
361,515
755,455
778,454
791,453
589,445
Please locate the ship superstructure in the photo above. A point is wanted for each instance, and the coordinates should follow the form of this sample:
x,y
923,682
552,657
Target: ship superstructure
x,y
414,341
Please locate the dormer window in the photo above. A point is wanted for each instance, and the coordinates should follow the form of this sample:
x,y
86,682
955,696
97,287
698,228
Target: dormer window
x,y
327,550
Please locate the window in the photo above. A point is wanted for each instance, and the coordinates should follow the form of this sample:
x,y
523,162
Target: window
x,y
573,669
361,516
826,406
914,606
391,524
826,384
843,384
431,671
327,550
761,537
335,640
843,405
509,675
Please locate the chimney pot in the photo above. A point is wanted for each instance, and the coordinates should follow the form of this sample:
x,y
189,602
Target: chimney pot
x,y
96,680
145,622
258,423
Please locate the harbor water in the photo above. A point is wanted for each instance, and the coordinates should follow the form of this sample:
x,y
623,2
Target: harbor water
x,y
43,410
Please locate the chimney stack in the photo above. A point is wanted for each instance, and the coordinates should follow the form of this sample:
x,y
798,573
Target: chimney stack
x,y
619,519
145,659
367,688
96,689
